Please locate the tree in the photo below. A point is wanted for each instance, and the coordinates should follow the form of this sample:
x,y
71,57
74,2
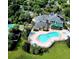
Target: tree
x,y
24,34
68,42
10,13
10,38
26,47
62,1
20,2
67,12
13,37
12,9
25,17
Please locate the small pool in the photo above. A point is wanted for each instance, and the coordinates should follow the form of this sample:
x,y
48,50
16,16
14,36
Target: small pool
x,y
45,37
10,26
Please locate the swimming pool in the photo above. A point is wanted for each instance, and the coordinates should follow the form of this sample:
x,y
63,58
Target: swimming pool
x,y
45,37
10,26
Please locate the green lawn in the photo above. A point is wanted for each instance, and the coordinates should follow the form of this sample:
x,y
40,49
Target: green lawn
x,y
58,51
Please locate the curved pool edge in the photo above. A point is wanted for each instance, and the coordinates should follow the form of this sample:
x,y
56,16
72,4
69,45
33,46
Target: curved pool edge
x,y
34,39
46,37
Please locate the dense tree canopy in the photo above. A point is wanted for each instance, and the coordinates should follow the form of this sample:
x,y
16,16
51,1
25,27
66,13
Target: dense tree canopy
x,y
20,9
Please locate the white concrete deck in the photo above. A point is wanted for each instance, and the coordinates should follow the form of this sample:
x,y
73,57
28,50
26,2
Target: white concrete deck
x,y
34,38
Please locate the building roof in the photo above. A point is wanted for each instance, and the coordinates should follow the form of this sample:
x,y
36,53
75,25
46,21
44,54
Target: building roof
x,y
40,25
41,21
48,17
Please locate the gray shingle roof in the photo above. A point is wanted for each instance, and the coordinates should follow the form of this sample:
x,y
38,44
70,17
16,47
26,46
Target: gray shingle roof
x,y
40,25
41,20
48,17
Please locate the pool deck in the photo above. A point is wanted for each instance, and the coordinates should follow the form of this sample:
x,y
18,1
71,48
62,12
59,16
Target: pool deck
x,y
34,38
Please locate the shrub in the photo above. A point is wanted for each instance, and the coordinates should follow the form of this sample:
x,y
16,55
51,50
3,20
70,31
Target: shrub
x,y
26,47
68,42
13,38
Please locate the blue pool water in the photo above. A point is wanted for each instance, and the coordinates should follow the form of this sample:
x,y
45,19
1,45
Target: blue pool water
x,y
10,26
45,37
